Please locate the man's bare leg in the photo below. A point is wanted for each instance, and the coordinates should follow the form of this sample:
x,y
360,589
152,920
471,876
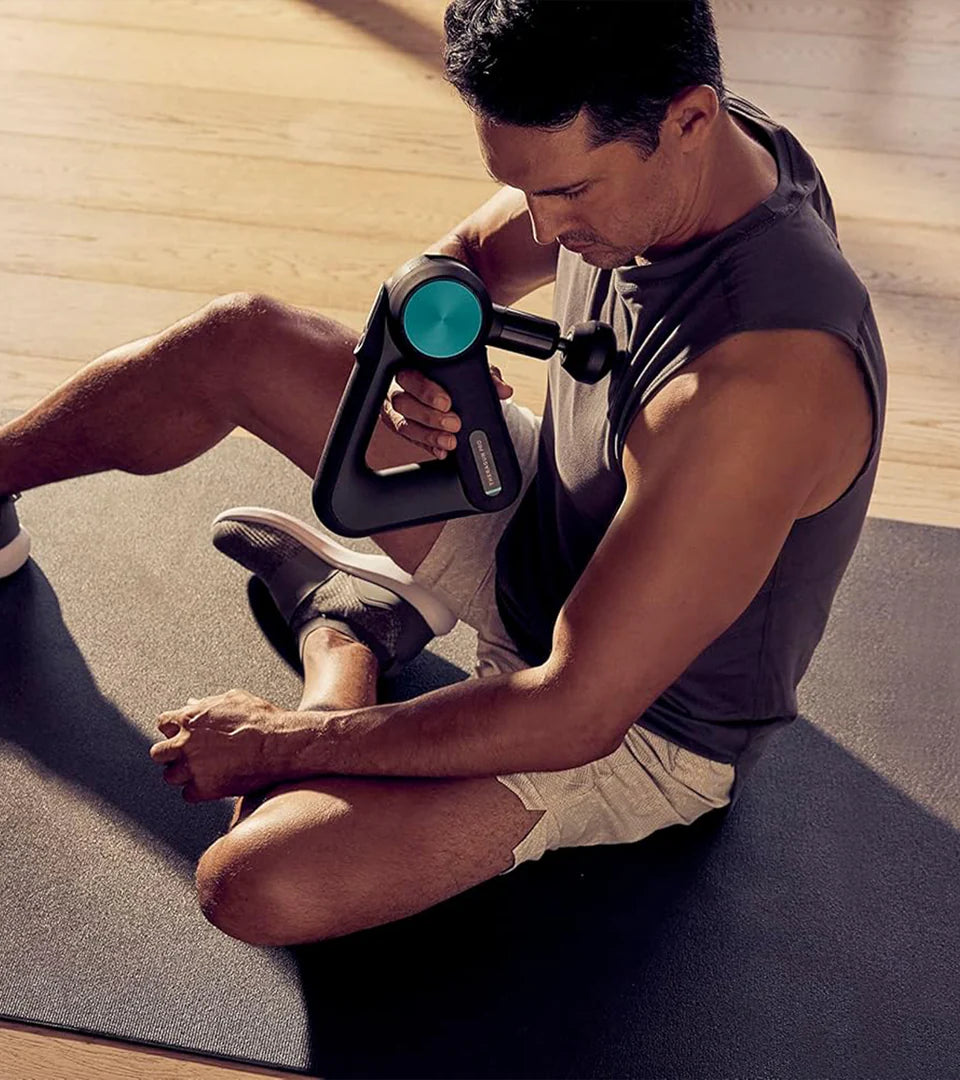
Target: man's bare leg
x,y
337,674
155,404
319,858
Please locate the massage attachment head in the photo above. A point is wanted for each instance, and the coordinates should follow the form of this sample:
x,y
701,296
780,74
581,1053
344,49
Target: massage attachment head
x,y
589,353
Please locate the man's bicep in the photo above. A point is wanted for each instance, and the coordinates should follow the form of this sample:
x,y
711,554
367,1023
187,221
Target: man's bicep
x,y
714,484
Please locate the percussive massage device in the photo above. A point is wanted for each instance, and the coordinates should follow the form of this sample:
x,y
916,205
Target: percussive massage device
x,y
434,314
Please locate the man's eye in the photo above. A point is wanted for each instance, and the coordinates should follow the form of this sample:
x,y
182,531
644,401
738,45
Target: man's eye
x,y
571,194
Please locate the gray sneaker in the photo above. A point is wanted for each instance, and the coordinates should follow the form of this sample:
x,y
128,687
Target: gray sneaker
x,y
310,576
14,539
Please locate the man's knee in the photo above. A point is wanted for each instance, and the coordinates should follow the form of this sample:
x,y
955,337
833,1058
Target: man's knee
x,y
266,331
212,338
239,318
242,307
243,889
228,890
228,335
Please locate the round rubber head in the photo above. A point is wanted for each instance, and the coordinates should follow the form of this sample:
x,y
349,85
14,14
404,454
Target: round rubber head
x,y
442,318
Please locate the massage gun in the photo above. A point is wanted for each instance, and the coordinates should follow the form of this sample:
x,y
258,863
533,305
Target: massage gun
x,y
434,314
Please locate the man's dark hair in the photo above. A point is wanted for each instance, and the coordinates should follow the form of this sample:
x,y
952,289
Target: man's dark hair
x,y
536,63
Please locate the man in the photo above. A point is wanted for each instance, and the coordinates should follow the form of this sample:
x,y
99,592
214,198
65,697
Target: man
x,y
647,608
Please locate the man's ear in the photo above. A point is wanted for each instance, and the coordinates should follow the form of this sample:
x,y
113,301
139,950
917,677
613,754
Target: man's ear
x,y
692,114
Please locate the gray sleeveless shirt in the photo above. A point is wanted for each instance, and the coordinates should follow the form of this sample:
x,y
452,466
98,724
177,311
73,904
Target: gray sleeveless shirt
x,y
778,267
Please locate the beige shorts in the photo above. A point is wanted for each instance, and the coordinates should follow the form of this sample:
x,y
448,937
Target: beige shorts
x,y
647,783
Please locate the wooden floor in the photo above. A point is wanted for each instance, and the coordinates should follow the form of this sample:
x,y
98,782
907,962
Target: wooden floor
x,y
154,155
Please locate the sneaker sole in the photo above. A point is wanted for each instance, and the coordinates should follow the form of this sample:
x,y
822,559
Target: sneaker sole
x,y
14,554
379,569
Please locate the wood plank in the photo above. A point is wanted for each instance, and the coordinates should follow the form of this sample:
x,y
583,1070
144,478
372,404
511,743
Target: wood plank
x,y
919,336
24,380
413,25
888,20
875,64
31,1052
923,421
360,74
182,121
859,119
346,199
925,494
908,189
76,320
437,141
914,260
209,257
314,198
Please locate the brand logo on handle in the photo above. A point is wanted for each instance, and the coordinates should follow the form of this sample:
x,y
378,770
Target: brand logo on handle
x,y
483,459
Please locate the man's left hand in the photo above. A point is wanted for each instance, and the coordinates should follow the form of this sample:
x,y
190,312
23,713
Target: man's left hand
x,y
222,745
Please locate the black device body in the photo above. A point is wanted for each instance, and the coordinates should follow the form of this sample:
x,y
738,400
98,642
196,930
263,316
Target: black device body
x,y
482,473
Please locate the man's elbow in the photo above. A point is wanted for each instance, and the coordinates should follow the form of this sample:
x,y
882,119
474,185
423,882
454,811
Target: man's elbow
x,y
591,729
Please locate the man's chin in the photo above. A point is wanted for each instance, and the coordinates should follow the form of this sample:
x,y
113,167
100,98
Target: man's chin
x,y
606,258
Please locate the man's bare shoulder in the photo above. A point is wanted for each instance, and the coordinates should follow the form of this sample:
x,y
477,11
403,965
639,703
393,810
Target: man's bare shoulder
x,y
818,365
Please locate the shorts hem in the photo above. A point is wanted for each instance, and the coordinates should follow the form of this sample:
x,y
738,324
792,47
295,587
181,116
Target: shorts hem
x,y
545,834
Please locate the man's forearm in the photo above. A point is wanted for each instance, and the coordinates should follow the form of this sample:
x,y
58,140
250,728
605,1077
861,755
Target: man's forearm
x,y
479,727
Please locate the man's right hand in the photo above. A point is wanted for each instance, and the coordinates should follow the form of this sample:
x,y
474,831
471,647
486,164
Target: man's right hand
x,y
419,409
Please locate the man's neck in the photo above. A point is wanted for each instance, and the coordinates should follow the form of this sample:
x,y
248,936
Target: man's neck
x,y
750,175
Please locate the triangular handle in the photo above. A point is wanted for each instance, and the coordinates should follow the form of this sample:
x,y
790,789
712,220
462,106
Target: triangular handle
x,y
481,475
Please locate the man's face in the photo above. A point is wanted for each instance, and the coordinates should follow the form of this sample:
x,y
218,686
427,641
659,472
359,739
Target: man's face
x,y
621,205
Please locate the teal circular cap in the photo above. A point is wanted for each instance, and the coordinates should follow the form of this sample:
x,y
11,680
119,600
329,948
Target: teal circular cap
x,y
442,318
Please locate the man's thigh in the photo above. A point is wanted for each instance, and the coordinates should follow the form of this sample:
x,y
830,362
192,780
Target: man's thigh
x,y
332,855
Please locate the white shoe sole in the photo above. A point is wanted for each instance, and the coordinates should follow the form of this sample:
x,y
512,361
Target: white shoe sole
x,y
14,554
380,569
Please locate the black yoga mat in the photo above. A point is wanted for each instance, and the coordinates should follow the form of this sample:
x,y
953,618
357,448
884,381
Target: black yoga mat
x,y
812,931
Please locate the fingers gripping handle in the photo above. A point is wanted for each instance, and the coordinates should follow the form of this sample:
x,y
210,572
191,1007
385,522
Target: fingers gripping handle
x,y
481,475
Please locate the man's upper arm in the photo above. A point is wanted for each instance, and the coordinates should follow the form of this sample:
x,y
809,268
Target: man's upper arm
x,y
718,466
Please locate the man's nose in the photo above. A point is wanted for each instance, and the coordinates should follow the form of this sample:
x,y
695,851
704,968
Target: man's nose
x,y
546,226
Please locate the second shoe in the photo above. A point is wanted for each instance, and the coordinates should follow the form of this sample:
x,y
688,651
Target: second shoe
x,y
14,538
